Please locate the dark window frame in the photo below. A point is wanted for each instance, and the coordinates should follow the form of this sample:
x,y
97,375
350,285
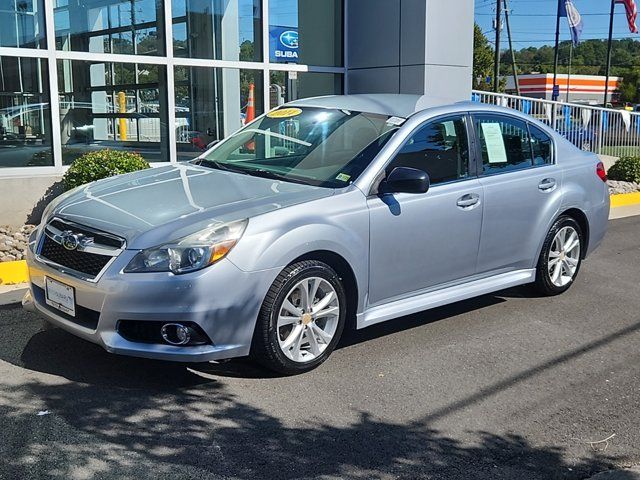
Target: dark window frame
x,y
477,148
552,145
471,160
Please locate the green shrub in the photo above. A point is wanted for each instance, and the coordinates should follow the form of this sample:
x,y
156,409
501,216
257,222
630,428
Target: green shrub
x,y
627,169
102,164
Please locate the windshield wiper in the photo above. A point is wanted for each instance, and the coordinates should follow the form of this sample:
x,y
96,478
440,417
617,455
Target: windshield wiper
x,y
262,173
218,165
254,172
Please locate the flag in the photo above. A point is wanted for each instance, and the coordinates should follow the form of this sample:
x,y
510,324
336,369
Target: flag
x,y
632,13
568,9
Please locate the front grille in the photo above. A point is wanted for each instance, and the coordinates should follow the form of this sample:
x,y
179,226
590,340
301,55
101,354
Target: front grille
x,y
78,250
85,317
99,238
83,262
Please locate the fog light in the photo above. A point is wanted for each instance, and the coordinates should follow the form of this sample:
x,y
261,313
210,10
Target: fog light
x,y
175,333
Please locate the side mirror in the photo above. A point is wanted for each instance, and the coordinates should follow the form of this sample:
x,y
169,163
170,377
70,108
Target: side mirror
x,y
405,180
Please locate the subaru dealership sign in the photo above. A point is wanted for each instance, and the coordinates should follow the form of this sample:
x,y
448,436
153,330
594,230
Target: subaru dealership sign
x,y
283,44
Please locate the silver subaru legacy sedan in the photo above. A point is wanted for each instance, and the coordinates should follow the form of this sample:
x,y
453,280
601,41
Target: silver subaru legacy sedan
x,y
325,213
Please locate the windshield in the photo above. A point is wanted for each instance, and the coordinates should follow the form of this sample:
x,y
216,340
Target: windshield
x,y
316,146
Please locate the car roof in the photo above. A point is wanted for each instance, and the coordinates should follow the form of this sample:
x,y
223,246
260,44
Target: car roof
x,y
395,104
392,104
405,105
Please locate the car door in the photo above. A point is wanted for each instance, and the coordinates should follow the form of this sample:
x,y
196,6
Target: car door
x,y
419,241
522,191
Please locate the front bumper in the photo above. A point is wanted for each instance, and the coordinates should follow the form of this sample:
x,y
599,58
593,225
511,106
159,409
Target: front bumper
x,y
222,299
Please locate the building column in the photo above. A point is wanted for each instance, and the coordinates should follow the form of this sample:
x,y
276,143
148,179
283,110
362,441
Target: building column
x,y
422,47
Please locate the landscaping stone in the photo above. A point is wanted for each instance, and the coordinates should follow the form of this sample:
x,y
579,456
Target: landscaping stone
x,y
616,187
14,242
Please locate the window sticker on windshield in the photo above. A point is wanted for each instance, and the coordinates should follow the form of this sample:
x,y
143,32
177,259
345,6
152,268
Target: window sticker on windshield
x,y
284,113
494,141
343,177
397,121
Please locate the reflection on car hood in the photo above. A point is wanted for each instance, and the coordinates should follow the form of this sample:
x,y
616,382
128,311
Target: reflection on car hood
x,y
158,205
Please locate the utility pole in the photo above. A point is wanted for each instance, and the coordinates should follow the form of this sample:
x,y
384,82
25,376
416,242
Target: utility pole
x,y
513,53
496,67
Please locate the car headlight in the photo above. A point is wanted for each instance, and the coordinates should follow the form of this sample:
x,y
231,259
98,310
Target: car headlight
x,y
191,253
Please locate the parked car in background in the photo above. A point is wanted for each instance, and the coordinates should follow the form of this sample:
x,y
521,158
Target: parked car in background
x,y
325,213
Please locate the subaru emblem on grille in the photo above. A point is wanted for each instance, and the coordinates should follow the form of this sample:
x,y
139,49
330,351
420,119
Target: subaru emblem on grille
x,y
70,241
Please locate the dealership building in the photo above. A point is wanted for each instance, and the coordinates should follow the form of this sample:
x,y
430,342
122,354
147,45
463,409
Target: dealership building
x,y
165,78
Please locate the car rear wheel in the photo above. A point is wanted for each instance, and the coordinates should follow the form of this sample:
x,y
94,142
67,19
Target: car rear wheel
x,y
301,319
560,258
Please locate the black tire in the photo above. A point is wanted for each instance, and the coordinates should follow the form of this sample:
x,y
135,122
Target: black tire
x,y
543,283
265,348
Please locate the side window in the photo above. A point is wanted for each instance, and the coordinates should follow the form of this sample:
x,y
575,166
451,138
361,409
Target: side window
x,y
505,144
541,146
439,148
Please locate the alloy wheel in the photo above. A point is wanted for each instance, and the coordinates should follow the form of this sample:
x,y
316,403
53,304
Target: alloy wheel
x,y
564,256
308,319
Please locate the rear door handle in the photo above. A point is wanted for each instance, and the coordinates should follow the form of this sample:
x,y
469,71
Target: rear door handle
x,y
547,185
468,201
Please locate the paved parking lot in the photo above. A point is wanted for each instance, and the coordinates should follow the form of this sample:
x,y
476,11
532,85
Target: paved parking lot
x,y
503,386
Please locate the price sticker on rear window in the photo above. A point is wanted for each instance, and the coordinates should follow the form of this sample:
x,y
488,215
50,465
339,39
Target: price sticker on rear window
x,y
284,113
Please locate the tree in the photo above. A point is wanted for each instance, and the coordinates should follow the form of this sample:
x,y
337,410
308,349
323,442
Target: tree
x,y
630,88
482,59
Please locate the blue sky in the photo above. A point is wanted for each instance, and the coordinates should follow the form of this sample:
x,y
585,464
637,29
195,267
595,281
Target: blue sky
x,y
533,22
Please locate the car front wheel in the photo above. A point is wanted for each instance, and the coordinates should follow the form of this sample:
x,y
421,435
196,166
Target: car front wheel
x,y
301,319
560,258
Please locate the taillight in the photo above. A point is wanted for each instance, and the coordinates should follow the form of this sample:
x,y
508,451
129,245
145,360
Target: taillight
x,y
600,171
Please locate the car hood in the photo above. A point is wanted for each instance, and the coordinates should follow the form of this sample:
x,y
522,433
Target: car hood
x,y
159,205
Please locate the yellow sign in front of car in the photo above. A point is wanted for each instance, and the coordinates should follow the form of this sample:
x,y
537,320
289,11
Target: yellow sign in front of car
x,y
284,113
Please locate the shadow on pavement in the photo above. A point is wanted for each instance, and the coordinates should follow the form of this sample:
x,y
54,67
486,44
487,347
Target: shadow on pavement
x,y
120,417
206,432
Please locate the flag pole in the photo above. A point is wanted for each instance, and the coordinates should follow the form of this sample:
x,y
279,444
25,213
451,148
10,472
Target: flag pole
x,y
569,74
609,48
557,53
496,67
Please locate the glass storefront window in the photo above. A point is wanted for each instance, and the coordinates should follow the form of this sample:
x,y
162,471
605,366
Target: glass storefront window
x,y
121,106
22,24
111,26
212,103
210,29
306,32
109,104
25,118
288,86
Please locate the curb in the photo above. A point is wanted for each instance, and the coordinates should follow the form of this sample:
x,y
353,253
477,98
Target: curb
x,y
11,294
12,273
625,199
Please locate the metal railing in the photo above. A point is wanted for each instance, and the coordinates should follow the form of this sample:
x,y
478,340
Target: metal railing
x,y
604,131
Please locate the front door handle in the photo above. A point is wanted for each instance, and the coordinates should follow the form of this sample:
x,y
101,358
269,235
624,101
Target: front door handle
x,y
468,201
547,185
